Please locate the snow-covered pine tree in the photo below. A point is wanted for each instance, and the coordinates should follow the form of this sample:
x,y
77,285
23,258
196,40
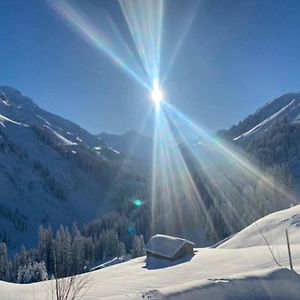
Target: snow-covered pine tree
x,y
4,263
77,251
46,247
122,249
62,252
33,272
138,248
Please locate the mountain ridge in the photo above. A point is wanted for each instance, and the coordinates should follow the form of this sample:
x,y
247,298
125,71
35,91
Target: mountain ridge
x,y
52,171
287,105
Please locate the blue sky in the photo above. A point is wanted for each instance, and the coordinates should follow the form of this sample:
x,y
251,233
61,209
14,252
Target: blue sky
x,y
236,56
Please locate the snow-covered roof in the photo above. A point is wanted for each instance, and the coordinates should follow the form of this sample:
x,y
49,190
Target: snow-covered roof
x,y
165,245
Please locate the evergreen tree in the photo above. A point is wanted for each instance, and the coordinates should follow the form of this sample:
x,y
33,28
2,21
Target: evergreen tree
x,y
122,249
46,247
4,263
33,272
62,253
77,251
138,248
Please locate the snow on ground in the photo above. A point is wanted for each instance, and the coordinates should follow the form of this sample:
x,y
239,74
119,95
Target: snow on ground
x,y
4,119
43,119
114,150
61,138
240,268
272,228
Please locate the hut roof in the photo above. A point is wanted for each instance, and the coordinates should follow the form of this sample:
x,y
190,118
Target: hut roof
x,y
164,245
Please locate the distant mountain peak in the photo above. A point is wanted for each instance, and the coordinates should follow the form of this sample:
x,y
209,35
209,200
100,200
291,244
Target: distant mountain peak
x,y
15,97
132,133
131,143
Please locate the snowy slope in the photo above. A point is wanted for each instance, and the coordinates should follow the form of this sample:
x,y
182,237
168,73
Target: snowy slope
x,y
51,170
235,270
15,106
267,121
287,106
272,227
270,136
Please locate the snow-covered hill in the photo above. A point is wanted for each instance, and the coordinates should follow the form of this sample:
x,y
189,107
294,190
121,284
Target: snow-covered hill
x,y
241,268
287,106
53,171
271,227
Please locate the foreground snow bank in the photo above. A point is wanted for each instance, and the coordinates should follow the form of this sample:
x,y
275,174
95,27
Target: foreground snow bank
x,y
276,284
272,227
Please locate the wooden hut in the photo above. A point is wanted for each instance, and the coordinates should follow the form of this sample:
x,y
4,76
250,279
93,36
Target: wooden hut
x,y
168,247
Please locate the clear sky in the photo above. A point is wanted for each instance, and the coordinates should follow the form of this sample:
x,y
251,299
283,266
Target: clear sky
x,y
236,56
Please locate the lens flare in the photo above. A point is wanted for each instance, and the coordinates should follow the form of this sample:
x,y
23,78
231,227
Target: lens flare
x,y
206,181
156,93
190,184
105,36
145,20
137,202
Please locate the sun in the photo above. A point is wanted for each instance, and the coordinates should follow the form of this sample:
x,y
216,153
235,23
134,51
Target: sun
x,y
156,93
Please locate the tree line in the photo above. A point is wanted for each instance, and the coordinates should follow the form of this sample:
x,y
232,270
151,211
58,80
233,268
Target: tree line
x,y
71,252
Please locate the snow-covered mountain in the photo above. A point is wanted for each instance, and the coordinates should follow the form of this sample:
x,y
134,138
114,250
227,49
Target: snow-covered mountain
x,y
271,135
240,268
53,171
286,106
